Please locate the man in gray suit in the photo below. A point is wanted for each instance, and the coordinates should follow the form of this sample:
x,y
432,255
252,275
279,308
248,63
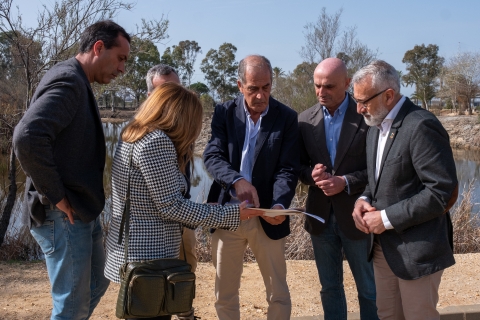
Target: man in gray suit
x,y
61,147
412,183
334,166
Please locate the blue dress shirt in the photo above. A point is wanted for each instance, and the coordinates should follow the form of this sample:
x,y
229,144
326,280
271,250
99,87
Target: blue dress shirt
x,y
333,127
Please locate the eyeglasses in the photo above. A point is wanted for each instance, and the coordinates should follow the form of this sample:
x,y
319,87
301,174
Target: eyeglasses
x,y
364,103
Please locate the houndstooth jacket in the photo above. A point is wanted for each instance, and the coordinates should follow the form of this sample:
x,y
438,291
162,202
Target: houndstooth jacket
x,y
158,208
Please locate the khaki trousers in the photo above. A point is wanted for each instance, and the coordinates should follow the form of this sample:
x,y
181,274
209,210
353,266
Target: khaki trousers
x,y
190,243
399,299
228,249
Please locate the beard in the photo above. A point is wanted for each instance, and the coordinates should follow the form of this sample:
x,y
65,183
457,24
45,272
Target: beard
x,y
377,117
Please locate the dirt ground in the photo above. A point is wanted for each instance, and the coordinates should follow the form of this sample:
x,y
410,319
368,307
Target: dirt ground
x,y
24,290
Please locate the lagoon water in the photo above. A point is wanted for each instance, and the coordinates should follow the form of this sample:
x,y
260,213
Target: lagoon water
x,y
467,164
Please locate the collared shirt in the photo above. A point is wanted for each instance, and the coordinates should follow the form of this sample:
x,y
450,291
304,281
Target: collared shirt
x,y
333,127
248,150
384,128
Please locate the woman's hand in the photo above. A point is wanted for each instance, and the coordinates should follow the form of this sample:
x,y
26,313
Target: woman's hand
x,y
246,212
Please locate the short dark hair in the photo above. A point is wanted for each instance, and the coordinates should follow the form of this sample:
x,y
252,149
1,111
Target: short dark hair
x,y
105,30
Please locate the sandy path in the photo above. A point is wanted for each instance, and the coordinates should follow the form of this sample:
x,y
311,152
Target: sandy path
x,y
24,290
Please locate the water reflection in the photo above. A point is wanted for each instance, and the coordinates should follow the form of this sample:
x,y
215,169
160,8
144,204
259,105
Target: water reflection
x,y
467,163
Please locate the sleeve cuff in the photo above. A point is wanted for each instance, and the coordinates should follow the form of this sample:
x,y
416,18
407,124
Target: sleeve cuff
x,y
363,198
232,192
385,220
278,204
347,186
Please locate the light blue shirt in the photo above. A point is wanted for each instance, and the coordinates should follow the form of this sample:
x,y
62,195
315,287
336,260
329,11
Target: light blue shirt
x,y
248,150
333,127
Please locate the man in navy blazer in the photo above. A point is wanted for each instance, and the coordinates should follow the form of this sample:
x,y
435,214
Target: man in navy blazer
x,y
412,184
252,155
61,147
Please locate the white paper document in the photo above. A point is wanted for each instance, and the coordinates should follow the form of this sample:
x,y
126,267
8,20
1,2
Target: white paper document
x,y
289,212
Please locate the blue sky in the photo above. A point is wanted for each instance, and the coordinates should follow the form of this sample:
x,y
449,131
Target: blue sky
x,y
274,28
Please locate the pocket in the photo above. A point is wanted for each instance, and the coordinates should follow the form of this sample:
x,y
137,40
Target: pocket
x,y
45,236
180,292
390,162
146,295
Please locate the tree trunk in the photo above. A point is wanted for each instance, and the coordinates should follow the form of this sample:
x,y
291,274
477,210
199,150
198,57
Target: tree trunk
x,y
12,194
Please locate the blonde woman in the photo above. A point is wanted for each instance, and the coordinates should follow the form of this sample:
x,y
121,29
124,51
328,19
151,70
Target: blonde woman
x,y
160,138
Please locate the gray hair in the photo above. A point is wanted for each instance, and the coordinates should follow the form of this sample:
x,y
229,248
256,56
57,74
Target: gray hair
x,y
383,74
259,61
157,71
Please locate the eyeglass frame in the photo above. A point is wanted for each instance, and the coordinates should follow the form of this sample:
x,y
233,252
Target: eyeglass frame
x,y
364,103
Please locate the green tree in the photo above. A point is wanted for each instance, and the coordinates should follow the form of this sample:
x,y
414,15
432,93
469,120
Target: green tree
x,y
423,68
277,74
220,67
207,102
187,52
199,87
297,88
144,55
168,59
182,57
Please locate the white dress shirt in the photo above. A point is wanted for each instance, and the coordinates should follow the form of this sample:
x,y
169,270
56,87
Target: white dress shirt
x,y
384,128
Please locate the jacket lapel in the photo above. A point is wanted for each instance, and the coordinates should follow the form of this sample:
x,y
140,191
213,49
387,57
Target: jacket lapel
x,y
239,121
265,127
350,126
392,135
318,125
372,155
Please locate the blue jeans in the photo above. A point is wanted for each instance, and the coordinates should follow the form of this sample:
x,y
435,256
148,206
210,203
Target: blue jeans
x,y
75,261
327,248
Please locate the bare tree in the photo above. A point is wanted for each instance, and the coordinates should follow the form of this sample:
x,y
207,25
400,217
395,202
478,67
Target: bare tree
x,y
354,53
321,37
462,78
325,39
53,39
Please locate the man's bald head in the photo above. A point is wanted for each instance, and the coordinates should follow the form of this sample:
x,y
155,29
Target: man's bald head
x,y
332,66
331,81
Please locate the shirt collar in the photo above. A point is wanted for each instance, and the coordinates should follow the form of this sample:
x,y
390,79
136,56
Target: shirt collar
x,y
248,113
340,110
392,114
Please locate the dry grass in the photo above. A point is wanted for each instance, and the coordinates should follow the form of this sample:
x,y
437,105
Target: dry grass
x,y
19,244
466,223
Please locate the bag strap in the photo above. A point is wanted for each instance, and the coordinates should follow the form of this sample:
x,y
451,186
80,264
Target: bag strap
x,y
126,209
125,224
